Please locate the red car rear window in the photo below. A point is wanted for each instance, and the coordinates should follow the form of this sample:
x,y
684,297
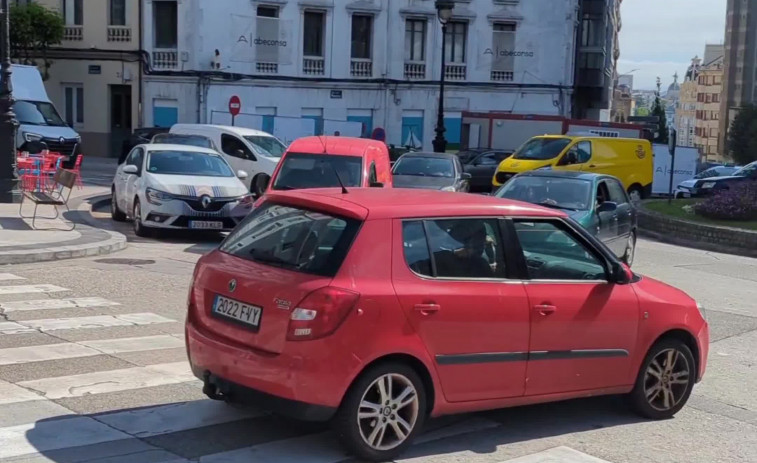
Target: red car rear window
x,y
302,170
292,238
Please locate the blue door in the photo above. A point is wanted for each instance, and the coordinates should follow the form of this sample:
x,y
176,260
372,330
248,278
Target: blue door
x,y
164,116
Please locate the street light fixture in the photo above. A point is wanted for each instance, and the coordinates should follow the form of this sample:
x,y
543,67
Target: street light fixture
x,y
444,11
8,122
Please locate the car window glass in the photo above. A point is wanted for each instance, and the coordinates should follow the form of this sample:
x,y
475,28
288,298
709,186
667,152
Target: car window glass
x,y
500,156
602,193
466,248
296,239
584,151
372,177
552,253
415,247
617,194
488,159
135,158
231,145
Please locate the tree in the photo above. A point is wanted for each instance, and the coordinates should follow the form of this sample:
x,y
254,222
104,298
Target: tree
x,y
658,109
33,30
742,137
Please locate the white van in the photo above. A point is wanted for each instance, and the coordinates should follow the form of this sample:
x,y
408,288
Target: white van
x,y
37,117
252,151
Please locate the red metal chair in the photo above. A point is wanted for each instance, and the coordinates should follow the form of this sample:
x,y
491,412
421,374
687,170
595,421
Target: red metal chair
x,y
77,170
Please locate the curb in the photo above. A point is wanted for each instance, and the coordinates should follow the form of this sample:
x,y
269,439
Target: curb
x,y
725,240
113,243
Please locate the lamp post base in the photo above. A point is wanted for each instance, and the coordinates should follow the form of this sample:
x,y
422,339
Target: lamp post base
x,y
439,144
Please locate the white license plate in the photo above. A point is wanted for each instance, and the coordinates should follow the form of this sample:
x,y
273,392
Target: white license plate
x,y
202,225
246,314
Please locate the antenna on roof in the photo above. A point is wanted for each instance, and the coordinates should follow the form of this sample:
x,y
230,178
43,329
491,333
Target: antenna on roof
x,y
323,143
338,179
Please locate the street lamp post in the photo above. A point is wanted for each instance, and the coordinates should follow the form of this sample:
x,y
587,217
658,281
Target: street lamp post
x,y
8,122
444,10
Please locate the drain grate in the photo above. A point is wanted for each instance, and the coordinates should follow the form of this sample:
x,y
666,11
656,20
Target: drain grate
x,y
120,261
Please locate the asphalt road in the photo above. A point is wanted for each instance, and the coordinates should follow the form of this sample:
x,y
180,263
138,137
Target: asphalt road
x,y
93,368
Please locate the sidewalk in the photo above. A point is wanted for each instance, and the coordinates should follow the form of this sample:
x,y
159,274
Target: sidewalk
x,y
20,244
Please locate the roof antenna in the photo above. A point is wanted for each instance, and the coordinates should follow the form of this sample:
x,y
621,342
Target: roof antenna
x,y
338,179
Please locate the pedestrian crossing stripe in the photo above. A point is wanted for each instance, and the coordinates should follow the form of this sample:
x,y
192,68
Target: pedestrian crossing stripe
x,y
46,352
51,304
101,382
90,322
10,277
28,289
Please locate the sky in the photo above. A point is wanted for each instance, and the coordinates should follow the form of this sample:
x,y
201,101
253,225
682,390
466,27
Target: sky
x,y
660,37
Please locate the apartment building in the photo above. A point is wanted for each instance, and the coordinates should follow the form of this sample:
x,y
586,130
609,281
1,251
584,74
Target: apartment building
x,y
314,66
707,128
686,110
740,62
95,76
597,53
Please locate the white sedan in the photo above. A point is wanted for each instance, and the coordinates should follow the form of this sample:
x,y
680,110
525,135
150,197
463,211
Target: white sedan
x,y
178,187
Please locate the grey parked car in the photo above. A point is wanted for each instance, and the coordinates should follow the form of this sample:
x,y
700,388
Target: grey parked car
x,y
434,171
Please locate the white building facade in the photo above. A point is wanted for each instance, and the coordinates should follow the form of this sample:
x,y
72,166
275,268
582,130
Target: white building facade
x,y
357,67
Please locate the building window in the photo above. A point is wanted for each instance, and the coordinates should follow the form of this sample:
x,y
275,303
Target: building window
x,y
268,12
503,38
415,40
165,24
362,30
117,12
313,34
592,31
74,104
708,98
73,12
457,36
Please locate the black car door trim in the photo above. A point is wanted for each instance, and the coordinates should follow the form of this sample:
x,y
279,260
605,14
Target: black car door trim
x,y
501,357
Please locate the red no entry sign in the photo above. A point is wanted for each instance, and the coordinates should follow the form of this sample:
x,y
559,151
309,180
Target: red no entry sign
x,y
235,105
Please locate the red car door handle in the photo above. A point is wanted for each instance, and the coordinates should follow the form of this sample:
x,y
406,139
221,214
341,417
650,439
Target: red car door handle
x,y
545,309
427,309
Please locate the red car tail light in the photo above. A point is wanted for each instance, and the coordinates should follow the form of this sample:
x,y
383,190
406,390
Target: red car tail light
x,y
320,313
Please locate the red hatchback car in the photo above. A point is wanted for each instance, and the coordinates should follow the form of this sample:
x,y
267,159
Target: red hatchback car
x,y
377,308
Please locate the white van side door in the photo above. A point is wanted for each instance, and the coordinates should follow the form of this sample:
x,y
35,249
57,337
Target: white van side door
x,y
239,156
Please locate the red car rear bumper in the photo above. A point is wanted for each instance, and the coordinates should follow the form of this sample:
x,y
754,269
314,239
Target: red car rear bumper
x,y
296,383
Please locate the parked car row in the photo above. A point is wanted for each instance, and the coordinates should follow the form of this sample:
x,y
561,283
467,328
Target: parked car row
x,y
154,194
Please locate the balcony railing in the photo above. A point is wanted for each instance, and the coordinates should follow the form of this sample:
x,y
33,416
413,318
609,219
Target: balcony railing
x,y
503,76
165,59
415,70
361,67
313,66
455,72
73,33
119,34
266,68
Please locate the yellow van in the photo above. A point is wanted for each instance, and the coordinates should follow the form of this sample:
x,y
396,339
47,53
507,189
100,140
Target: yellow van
x,y
628,159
